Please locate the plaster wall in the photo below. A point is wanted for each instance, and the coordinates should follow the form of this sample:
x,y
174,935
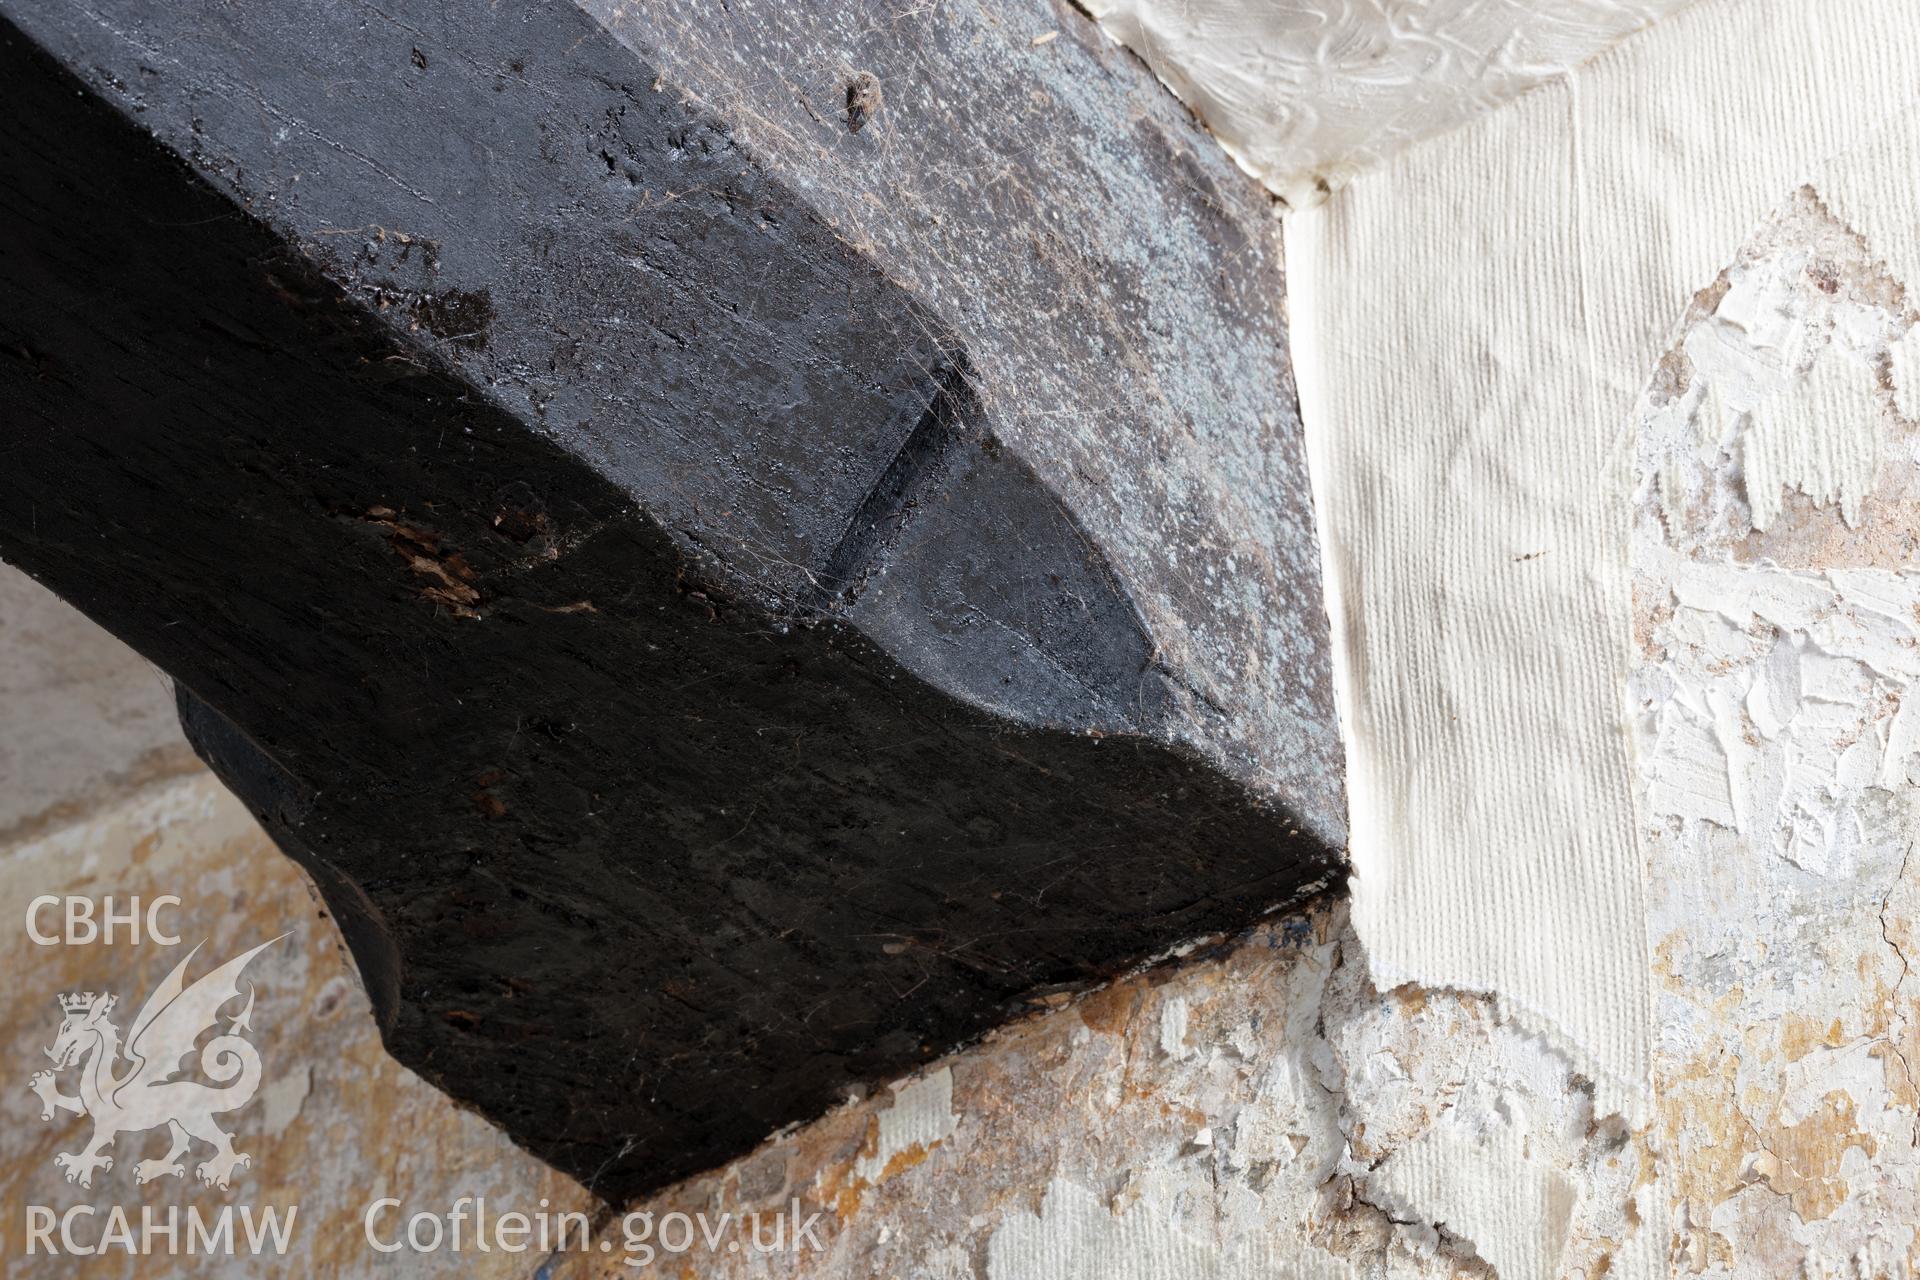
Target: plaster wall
x,y
1307,93
105,799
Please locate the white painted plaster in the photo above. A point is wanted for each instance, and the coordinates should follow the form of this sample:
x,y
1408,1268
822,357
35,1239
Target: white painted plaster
x,y
1308,93
1173,1029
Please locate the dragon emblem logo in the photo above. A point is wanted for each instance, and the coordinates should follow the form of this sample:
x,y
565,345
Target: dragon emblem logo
x,y
131,1088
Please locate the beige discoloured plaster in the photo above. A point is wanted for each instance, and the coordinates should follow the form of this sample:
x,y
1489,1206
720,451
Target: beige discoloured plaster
x,y
337,1123
82,719
104,798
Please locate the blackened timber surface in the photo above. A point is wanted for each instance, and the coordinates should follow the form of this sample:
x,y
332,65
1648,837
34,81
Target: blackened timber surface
x,y
650,598
1118,285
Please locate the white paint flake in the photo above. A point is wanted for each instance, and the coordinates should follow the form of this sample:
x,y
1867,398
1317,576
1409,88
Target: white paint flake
x,y
920,1119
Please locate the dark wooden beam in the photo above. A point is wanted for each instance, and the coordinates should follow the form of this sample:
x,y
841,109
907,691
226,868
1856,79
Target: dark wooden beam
x,y
738,543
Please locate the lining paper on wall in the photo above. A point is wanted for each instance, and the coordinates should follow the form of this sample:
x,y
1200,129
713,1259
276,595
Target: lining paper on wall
x,y
1473,323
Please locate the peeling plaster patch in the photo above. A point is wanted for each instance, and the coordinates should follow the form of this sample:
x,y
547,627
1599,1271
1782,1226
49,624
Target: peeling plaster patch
x,y
1276,1128
1079,1156
920,1119
1779,649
